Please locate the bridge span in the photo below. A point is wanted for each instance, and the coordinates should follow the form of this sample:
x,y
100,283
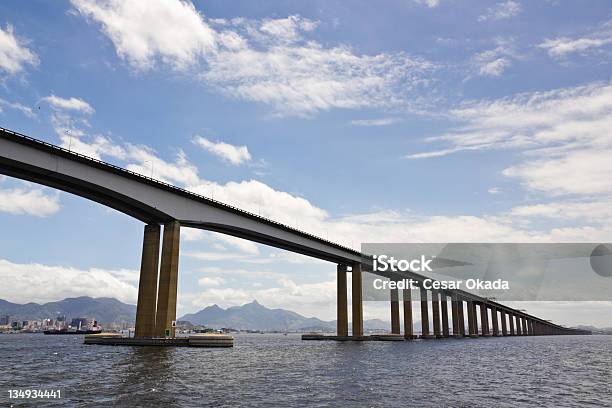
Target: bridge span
x,y
160,204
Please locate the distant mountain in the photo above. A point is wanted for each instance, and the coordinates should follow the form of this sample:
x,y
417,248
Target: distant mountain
x,y
105,310
255,316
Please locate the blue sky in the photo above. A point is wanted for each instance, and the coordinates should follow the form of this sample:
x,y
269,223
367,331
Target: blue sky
x,y
400,121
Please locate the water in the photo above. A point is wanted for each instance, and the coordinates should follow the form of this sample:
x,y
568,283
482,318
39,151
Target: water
x,y
275,370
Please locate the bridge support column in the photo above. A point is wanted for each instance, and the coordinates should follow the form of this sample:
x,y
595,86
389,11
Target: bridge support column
x,y
519,326
511,323
444,308
357,300
424,315
408,329
147,284
168,281
504,326
455,316
395,316
342,307
472,325
435,307
461,318
495,321
526,328
484,320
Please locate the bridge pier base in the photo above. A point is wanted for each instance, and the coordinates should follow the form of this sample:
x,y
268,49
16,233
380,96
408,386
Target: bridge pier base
x,y
147,284
168,281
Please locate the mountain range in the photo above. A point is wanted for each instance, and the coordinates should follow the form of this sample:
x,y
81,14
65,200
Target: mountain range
x,y
105,310
251,316
255,316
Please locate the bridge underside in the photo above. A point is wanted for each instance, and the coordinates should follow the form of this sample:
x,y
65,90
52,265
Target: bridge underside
x,y
156,203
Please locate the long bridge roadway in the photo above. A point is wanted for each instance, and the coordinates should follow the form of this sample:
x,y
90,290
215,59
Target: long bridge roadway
x,y
160,204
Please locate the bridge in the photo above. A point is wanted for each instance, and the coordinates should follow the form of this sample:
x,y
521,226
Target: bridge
x,y
159,204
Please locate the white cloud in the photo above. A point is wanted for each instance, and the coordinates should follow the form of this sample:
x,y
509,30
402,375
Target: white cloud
x,y
268,61
26,110
72,103
145,31
495,67
495,61
33,282
600,211
502,10
233,154
14,55
561,47
33,201
586,171
429,3
374,122
211,281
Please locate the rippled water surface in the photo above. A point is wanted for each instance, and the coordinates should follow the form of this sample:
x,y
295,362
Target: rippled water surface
x,y
276,370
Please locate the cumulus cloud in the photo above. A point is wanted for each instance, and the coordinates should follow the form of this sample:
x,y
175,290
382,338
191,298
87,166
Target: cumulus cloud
x,y
270,61
72,103
233,154
34,201
502,10
495,61
14,54
34,282
148,31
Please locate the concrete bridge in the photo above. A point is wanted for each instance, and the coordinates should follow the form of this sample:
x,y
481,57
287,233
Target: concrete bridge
x,y
159,204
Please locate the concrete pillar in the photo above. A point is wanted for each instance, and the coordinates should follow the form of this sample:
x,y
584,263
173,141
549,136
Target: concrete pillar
x,y
472,325
424,315
484,320
511,322
504,325
168,280
147,285
526,327
395,317
342,307
407,298
357,300
455,316
435,306
461,317
519,326
444,308
494,321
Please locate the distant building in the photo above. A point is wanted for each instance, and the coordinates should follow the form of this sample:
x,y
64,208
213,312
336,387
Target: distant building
x,y
25,323
79,322
5,320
